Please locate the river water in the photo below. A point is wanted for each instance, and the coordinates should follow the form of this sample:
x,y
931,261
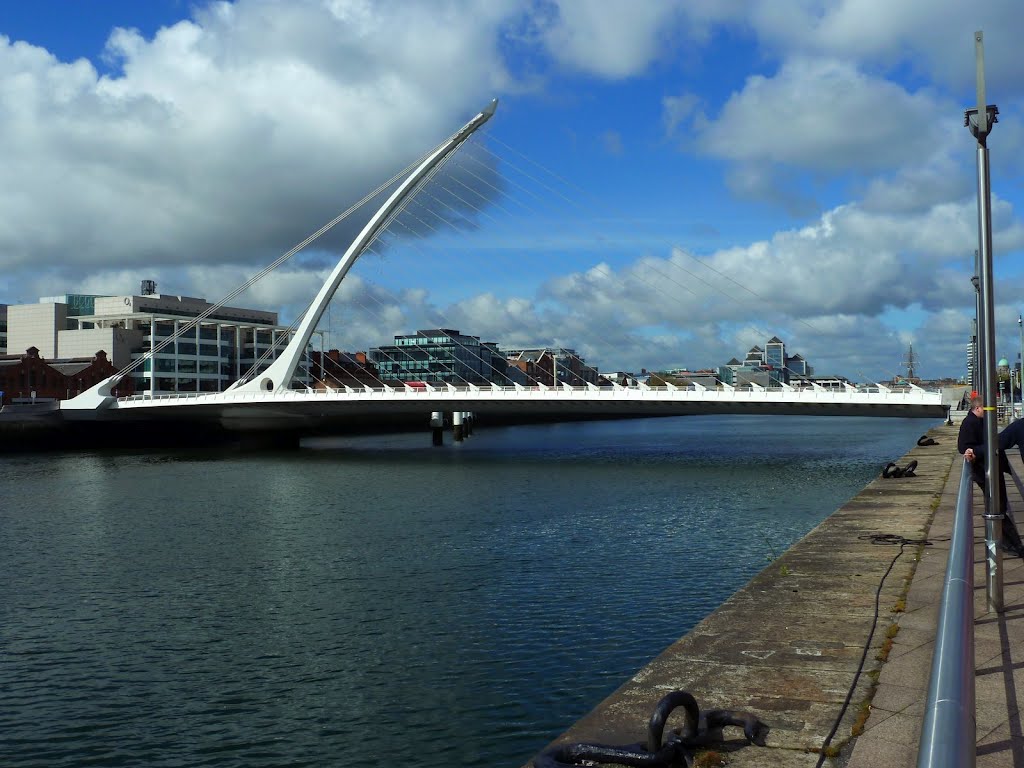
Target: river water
x,y
378,602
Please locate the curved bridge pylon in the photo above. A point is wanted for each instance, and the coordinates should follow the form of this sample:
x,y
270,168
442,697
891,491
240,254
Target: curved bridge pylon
x,y
277,378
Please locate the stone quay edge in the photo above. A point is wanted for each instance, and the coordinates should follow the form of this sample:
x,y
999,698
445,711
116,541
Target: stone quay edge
x,y
787,646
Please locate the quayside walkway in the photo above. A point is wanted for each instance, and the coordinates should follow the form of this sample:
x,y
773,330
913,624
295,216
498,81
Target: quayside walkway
x,y
788,646
890,739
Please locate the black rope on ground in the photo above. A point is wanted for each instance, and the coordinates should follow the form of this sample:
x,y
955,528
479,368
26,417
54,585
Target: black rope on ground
x,y
882,539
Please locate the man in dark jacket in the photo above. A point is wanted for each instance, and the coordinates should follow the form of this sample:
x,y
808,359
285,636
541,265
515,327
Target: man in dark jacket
x,y
972,434
971,443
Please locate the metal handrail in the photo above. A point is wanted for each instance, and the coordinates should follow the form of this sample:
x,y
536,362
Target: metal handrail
x,y
948,732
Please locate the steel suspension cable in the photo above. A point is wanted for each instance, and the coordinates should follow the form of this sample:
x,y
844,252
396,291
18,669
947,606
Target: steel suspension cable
x,y
213,308
674,246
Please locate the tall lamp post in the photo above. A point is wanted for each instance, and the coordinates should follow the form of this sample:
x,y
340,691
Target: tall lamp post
x,y
1020,362
980,122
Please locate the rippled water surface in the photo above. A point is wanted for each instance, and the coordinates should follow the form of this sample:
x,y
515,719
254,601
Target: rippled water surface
x,y
376,601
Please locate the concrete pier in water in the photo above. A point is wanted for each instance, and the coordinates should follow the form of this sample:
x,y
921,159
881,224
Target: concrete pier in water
x,y
787,647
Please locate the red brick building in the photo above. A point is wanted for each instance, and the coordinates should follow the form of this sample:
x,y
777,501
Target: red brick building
x,y
23,377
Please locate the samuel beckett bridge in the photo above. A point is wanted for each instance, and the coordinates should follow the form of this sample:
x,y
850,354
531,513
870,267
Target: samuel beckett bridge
x,y
276,396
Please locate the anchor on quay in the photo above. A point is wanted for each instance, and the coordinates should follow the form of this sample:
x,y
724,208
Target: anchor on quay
x,y
678,749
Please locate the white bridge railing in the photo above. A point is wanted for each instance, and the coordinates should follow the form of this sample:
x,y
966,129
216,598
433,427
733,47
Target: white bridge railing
x,y
561,393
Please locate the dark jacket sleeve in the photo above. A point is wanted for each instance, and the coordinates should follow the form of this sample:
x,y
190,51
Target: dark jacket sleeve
x,y
972,435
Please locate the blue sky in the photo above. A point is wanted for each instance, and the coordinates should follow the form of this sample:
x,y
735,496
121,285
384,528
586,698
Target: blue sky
x,y
676,181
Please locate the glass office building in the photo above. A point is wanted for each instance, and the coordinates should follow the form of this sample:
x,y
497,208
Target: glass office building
x,y
205,358
440,355
770,366
775,360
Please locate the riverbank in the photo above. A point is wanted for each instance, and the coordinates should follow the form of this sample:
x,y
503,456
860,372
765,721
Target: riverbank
x,y
789,647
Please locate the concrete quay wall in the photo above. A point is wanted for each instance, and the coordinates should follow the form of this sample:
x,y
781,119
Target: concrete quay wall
x,y
787,647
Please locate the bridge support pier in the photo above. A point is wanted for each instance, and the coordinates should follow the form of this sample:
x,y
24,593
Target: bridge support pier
x,y
458,432
467,426
437,428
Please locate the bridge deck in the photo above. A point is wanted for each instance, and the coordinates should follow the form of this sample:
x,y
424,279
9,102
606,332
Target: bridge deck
x,y
590,400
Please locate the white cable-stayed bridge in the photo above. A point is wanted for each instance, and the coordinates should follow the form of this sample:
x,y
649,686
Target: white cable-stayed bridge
x,y
272,398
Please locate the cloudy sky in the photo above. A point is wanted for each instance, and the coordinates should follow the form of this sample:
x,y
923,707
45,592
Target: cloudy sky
x,y
664,183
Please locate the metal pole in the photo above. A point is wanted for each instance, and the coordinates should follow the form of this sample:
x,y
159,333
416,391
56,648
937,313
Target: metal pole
x,y
993,512
980,124
1020,362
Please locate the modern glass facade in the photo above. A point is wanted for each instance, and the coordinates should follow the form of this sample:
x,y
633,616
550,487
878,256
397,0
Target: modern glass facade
x,y
754,358
775,359
771,364
797,366
202,359
439,355
77,303
205,358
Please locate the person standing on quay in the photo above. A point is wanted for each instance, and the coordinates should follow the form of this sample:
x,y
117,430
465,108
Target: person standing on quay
x,y
971,443
1011,436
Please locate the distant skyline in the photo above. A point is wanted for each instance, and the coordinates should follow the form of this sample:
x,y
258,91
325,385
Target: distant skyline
x,y
760,167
